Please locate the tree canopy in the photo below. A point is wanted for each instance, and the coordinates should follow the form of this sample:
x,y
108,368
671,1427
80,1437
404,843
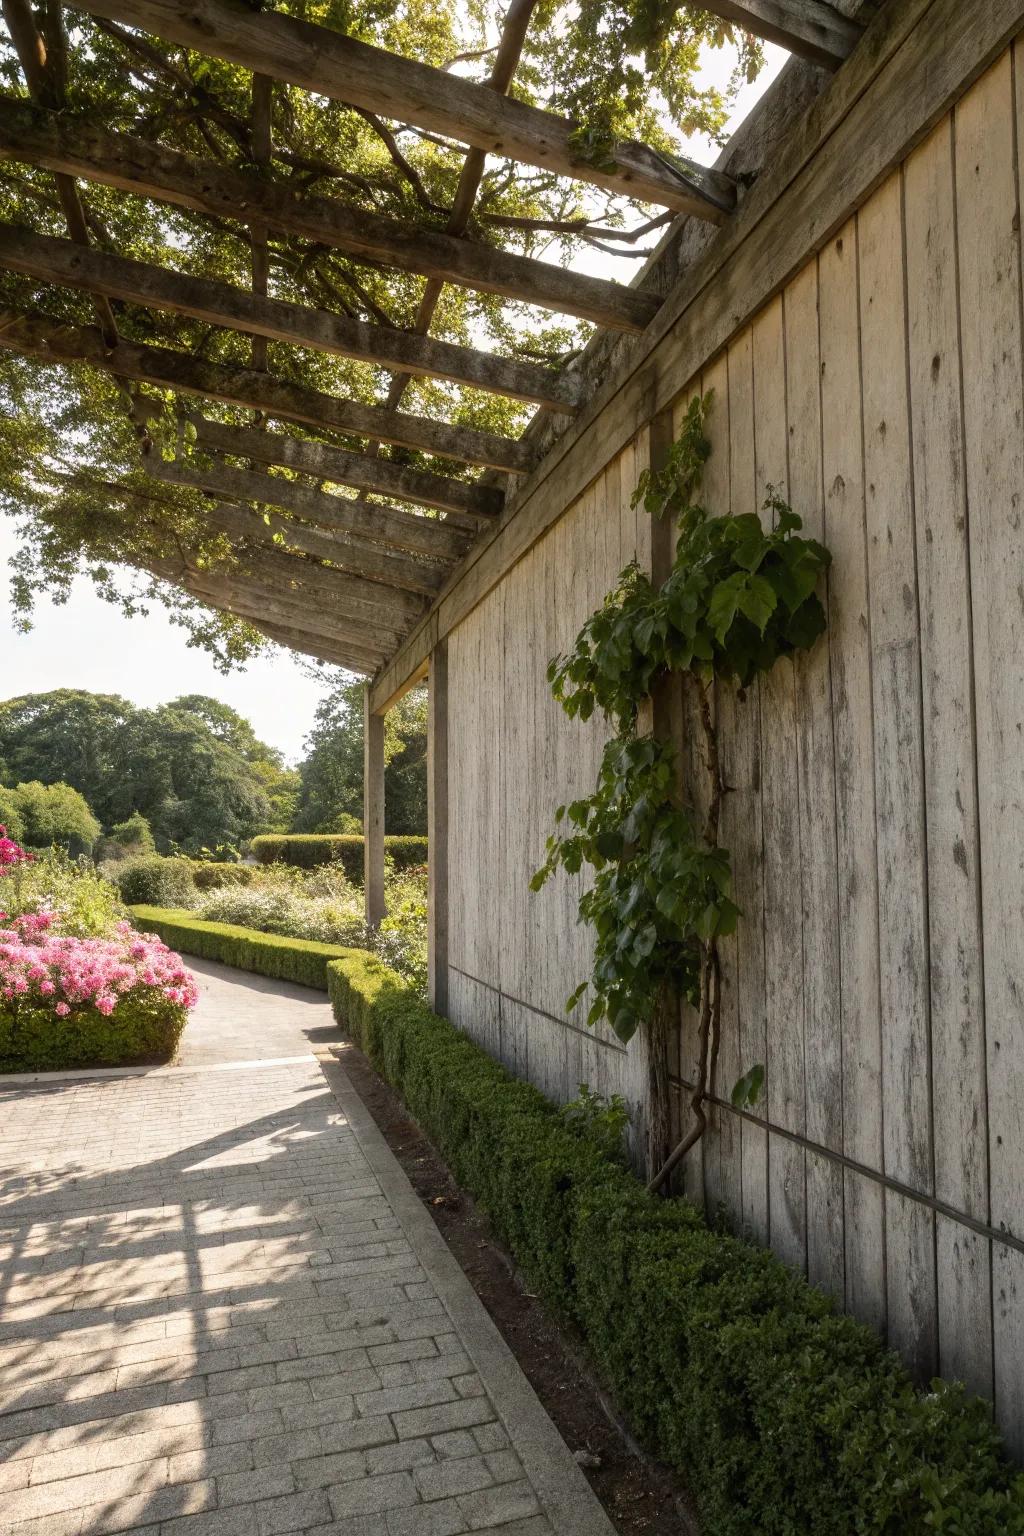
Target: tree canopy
x,y
331,793
70,437
42,815
193,768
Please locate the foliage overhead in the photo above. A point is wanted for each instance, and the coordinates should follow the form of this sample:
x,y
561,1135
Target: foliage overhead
x,y
70,468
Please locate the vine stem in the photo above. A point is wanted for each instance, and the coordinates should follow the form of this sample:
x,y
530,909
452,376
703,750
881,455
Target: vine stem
x,y
710,970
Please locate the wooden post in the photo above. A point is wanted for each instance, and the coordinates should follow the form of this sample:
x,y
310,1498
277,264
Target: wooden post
x,y
373,813
661,716
437,829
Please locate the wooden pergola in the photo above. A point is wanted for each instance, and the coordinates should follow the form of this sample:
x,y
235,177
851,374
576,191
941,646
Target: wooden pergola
x,y
345,579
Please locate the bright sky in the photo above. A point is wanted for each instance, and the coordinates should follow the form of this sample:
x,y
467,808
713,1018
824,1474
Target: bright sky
x,y
89,644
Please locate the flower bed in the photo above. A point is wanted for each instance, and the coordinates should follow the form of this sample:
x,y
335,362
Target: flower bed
x,y
83,1002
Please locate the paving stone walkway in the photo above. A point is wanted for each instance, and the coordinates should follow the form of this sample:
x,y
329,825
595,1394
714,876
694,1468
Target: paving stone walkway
x,y
224,1312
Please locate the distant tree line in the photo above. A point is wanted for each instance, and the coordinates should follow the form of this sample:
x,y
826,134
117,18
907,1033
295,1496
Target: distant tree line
x,y
192,774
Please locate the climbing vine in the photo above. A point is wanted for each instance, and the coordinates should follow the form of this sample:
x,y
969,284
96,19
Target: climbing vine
x,y
741,593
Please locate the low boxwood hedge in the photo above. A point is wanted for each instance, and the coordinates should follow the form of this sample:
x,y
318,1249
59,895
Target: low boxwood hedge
x,y
786,1418
142,1029
267,954
311,850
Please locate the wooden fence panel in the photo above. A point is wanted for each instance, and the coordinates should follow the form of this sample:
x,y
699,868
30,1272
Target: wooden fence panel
x,y
876,809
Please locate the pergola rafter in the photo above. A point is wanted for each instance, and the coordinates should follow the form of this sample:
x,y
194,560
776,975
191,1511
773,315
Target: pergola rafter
x,y
481,504
368,525
360,75
346,577
200,298
63,145
39,337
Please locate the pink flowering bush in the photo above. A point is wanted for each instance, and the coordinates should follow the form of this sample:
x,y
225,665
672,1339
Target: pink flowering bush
x,y
77,1002
11,853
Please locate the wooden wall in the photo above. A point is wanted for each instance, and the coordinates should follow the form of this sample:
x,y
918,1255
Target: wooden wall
x,y
877,819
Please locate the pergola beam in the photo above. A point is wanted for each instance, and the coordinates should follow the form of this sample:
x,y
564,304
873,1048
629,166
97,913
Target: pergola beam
x,y
333,64
297,640
79,148
363,552
391,611
38,336
810,28
138,282
254,600
350,596
480,502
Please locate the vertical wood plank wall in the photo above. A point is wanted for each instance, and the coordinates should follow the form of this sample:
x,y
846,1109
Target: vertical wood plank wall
x,y
877,815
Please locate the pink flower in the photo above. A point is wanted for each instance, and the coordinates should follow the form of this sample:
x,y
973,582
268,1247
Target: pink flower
x,y
11,853
35,963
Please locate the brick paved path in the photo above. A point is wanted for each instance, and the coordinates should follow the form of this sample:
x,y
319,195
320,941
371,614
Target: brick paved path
x,y
224,1312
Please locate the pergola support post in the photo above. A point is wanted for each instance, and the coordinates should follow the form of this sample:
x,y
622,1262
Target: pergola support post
x,y
373,813
437,829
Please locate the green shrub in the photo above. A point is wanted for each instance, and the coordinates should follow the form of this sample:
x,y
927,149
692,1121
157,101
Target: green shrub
x,y
322,905
10,815
310,850
52,815
268,954
143,1028
215,877
85,905
787,1419
135,834
154,880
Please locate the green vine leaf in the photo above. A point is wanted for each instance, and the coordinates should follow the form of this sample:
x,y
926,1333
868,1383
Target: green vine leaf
x,y
742,593
747,1091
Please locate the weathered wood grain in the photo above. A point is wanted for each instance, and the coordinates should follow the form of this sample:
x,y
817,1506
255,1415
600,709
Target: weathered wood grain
x,y
988,194
391,608
810,28
850,650
355,551
959,1107
780,838
815,774
899,778
722,1162
741,766
480,503
438,825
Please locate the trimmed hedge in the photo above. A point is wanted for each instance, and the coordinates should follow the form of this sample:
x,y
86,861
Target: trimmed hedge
x,y
154,880
140,1030
267,954
787,1419
209,876
311,850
